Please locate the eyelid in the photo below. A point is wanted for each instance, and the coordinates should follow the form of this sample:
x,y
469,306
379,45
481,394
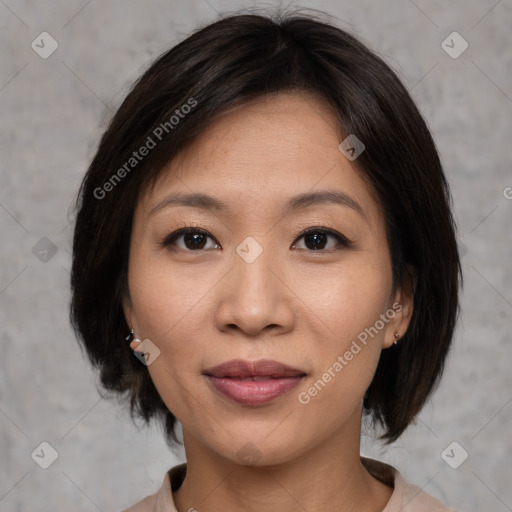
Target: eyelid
x,y
342,239
167,239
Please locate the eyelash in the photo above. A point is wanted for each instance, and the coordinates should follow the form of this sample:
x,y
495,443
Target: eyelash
x,y
343,241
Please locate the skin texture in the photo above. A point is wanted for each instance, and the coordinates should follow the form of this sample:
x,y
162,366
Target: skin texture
x,y
293,304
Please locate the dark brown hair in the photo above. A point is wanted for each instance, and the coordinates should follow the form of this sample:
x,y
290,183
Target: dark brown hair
x,y
225,64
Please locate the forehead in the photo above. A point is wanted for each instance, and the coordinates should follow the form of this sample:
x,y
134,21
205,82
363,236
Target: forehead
x,y
263,152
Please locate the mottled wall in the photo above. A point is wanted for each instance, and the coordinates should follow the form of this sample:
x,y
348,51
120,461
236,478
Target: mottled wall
x,y
52,113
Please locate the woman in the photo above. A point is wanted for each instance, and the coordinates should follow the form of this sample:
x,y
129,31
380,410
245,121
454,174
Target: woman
x,y
266,226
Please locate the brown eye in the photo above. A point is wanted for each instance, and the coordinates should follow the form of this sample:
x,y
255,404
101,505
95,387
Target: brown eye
x,y
192,239
318,238
315,239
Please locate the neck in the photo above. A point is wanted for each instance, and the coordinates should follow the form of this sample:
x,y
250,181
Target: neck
x,y
328,476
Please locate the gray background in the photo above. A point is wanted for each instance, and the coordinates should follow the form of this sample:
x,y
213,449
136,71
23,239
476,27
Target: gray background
x,y
52,113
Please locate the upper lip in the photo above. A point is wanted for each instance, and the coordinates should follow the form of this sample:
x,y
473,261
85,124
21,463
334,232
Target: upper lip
x,y
239,368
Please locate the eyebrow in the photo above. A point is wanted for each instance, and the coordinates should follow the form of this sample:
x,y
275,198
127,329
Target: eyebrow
x,y
297,202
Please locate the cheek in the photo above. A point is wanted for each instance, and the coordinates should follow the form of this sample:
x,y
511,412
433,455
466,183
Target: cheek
x,y
345,300
166,296
169,308
348,311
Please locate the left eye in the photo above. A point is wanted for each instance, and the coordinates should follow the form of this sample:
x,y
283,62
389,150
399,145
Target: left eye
x,y
194,239
317,239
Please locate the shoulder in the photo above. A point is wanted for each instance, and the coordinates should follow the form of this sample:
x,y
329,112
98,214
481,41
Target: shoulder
x,y
410,498
155,502
406,497
145,505
161,501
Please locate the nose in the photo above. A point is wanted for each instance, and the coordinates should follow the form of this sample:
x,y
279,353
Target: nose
x,y
256,298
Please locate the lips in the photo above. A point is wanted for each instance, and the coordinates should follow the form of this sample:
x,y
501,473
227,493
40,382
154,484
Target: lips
x,y
253,382
240,369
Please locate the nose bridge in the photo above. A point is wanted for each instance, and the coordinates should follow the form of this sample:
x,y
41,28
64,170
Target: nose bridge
x,y
254,297
252,274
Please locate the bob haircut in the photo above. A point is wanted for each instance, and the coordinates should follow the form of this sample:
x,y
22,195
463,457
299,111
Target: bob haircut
x,y
219,67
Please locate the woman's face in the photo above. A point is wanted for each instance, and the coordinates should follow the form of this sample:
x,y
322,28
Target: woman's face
x,y
247,284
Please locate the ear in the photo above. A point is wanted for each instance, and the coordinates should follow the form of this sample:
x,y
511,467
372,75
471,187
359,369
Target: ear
x,y
402,303
128,309
130,319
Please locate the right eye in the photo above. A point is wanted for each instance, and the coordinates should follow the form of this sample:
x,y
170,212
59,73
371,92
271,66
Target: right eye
x,y
193,239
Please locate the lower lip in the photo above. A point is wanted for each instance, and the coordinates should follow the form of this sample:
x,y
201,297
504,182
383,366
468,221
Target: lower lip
x,y
254,392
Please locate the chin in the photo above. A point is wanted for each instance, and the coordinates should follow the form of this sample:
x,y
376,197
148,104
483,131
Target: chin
x,y
260,451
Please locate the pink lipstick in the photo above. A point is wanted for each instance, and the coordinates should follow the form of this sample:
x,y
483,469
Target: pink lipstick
x,y
253,382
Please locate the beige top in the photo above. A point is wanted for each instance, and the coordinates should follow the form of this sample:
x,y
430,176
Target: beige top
x,y
405,497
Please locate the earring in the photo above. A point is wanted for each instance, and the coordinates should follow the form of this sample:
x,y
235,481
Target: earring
x,y
396,338
131,337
